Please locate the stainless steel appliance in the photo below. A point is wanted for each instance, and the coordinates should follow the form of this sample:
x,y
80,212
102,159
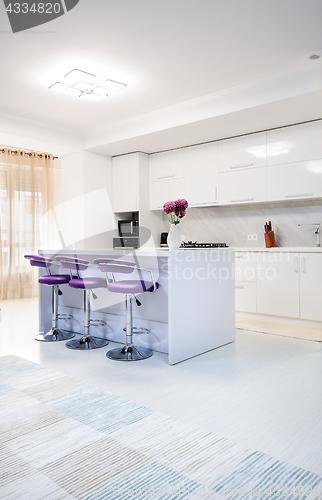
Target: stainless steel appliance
x,y
128,233
164,240
195,244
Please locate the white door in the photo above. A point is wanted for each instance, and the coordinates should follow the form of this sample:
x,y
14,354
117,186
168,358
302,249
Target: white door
x,y
278,284
201,175
311,286
125,171
293,181
242,186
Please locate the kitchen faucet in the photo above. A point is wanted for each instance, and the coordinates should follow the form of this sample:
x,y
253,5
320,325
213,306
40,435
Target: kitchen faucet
x,y
317,231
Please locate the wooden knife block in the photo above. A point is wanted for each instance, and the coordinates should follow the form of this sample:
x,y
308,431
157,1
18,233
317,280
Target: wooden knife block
x,y
270,239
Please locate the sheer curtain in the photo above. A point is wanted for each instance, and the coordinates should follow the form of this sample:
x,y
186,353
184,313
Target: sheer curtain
x,y
26,197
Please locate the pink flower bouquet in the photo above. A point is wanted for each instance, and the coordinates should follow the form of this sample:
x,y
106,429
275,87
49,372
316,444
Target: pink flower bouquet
x,y
176,210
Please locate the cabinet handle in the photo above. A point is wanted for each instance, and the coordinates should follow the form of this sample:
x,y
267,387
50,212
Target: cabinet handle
x,y
239,286
136,203
242,199
296,264
243,166
297,195
204,203
303,265
166,177
216,191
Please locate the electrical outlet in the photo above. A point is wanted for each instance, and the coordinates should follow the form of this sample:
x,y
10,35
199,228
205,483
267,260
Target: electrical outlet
x,y
252,237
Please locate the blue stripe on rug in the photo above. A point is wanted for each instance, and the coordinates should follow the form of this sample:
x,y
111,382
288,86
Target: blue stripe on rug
x,y
262,476
5,389
100,410
151,480
17,369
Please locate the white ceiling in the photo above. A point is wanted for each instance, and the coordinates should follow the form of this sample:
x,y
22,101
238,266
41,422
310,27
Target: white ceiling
x,y
173,55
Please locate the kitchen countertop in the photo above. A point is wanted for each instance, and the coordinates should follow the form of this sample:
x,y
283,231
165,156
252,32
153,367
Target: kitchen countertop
x,y
279,249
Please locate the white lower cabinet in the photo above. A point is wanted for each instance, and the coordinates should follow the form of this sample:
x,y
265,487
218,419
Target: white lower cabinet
x,y
163,191
287,284
311,286
242,186
245,296
278,284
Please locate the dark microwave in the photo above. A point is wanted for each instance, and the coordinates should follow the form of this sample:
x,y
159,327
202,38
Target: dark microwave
x,y
128,228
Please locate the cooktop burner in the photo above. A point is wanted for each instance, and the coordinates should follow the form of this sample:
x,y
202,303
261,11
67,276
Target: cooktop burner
x,y
195,244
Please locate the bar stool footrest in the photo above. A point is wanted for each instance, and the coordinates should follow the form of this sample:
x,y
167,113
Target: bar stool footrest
x,y
54,335
97,322
136,330
129,353
64,316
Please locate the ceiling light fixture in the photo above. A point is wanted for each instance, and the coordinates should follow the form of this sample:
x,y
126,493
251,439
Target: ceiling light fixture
x,y
86,85
314,56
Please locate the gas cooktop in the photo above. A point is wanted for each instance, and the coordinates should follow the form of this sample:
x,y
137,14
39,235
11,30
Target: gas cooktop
x,y
195,244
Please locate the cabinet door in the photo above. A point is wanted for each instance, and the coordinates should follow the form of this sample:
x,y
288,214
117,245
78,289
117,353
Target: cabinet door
x,y
245,296
163,191
296,143
311,286
166,166
295,180
245,266
242,186
278,284
201,175
125,171
241,152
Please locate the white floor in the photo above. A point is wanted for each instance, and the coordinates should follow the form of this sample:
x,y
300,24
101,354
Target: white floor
x,y
262,391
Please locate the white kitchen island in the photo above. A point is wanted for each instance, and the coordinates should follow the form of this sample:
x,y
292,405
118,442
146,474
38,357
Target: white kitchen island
x,y
192,312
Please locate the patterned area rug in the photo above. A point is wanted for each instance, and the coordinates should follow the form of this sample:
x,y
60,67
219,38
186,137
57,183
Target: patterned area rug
x,y
61,440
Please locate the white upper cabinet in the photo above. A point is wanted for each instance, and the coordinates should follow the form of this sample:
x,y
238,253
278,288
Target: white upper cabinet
x,y
242,186
242,152
201,175
163,191
294,181
295,143
167,165
125,172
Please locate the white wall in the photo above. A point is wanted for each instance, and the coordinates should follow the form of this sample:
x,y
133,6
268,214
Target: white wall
x,y
84,215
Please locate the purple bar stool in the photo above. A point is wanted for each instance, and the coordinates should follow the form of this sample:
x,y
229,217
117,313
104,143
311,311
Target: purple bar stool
x,y
129,288
87,284
54,280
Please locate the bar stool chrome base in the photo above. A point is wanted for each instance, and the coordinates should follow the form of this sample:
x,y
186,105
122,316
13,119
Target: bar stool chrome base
x,y
54,335
129,353
87,343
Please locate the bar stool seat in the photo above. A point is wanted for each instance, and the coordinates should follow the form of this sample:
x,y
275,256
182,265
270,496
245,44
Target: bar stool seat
x,y
88,283
57,279
131,287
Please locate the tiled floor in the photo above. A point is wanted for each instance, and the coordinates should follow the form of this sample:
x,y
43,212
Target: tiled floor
x,y
263,391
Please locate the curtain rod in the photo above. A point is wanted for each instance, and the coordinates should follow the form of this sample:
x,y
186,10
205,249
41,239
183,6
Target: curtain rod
x,y
40,155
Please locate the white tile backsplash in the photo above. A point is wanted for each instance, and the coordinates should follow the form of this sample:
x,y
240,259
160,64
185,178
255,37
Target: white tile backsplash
x,y
232,224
